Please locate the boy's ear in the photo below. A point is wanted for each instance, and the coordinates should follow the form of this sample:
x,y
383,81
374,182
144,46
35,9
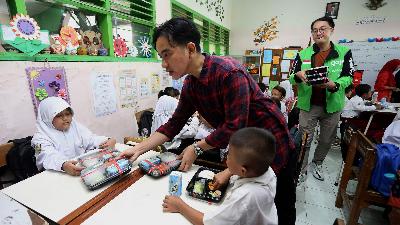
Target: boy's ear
x,y
243,171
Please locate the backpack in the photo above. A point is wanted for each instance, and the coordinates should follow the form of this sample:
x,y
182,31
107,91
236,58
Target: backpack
x,y
144,124
387,162
21,159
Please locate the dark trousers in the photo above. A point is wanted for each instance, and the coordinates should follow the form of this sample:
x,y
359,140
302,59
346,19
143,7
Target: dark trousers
x,y
285,197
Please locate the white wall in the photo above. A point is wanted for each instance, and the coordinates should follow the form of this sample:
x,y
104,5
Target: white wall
x,y
17,117
295,18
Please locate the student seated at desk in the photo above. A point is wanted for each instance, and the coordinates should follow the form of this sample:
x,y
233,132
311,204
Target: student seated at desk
x,y
279,93
59,138
357,104
251,198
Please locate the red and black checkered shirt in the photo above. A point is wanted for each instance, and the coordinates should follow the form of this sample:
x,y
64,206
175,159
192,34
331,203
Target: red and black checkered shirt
x,y
229,99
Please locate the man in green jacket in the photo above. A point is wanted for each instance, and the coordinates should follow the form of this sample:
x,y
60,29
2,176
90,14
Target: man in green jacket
x,y
321,103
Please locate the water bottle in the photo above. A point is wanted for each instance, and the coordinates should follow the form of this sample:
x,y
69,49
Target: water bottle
x,y
374,97
384,103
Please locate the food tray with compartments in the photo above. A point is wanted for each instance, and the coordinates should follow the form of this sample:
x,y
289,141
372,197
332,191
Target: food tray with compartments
x,y
160,165
317,75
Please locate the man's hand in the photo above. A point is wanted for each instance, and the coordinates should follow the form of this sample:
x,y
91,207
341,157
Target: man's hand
x,y
302,76
71,168
221,179
172,204
187,156
110,143
132,154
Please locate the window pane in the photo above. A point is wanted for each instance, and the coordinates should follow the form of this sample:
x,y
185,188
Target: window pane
x,y
4,13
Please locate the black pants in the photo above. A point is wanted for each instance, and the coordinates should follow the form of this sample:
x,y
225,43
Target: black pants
x,y
285,197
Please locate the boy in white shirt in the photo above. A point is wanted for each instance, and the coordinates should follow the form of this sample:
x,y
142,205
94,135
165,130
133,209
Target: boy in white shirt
x,y
279,93
251,199
356,104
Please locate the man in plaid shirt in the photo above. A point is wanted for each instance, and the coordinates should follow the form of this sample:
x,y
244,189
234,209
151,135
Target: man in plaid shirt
x,y
222,91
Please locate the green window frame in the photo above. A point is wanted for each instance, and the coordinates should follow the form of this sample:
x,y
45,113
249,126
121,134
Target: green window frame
x,y
136,11
214,37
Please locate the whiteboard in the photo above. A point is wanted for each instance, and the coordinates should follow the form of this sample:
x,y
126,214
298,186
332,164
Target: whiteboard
x,y
371,56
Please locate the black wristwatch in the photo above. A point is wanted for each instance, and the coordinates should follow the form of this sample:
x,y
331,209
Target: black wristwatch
x,y
197,150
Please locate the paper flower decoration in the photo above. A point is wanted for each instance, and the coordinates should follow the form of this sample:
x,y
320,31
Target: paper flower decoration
x,y
58,76
25,27
55,85
62,93
120,47
41,83
68,34
34,74
41,93
266,32
133,51
145,47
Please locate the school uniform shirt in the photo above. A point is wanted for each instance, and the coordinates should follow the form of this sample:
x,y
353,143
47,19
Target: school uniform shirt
x,y
249,201
354,106
392,134
229,99
284,111
54,147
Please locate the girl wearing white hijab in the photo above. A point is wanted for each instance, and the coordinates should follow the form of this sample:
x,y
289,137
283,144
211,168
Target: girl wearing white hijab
x,y
59,138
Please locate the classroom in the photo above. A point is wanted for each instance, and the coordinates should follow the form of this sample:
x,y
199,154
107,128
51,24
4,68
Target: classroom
x,y
133,110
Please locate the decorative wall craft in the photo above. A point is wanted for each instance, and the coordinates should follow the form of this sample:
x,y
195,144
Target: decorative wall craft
x,y
46,82
145,46
266,32
155,83
289,54
213,5
120,47
69,35
332,10
25,35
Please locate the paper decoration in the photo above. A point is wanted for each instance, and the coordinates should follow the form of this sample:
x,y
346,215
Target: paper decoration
x,y
289,54
144,87
266,70
120,47
284,76
266,32
133,51
275,59
69,35
285,66
128,89
104,97
46,82
145,47
24,35
267,58
155,83
274,71
25,27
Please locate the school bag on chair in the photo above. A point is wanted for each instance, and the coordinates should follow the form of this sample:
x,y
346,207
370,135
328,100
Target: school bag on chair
x,y
21,159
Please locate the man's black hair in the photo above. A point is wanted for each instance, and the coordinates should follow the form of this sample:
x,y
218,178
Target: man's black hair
x,y
325,18
362,89
178,31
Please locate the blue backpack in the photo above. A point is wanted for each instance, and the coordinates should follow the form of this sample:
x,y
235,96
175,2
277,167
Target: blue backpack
x,y
387,162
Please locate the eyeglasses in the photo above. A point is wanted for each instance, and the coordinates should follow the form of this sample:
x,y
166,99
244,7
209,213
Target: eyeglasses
x,y
322,30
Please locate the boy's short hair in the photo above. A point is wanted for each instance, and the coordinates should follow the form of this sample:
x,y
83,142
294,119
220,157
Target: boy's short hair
x,y
262,86
362,89
178,31
255,148
281,90
326,19
349,88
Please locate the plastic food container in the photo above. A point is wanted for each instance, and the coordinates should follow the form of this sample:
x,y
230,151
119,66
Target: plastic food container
x,y
101,167
160,165
201,187
317,75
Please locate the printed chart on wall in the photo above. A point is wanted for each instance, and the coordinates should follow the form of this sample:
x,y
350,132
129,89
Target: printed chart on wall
x,y
165,78
46,82
104,97
144,87
155,83
127,88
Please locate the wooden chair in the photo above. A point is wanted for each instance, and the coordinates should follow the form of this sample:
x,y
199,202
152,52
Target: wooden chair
x,y
364,196
4,149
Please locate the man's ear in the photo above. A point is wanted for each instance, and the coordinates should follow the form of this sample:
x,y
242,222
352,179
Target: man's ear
x,y
191,47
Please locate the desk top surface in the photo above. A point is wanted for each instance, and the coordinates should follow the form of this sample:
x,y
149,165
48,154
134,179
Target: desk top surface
x,y
55,194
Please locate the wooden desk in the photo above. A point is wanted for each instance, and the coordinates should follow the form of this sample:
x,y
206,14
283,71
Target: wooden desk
x,y
55,195
142,202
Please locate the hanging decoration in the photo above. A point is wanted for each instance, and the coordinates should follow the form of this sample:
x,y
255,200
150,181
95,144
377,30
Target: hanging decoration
x,y
120,47
24,34
69,35
133,51
266,32
145,47
213,5
46,82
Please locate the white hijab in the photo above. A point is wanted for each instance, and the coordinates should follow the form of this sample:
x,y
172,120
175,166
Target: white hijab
x,y
288,87
392,134
58,146
164,109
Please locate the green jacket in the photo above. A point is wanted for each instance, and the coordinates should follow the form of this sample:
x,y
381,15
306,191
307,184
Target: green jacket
x,y
340,70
